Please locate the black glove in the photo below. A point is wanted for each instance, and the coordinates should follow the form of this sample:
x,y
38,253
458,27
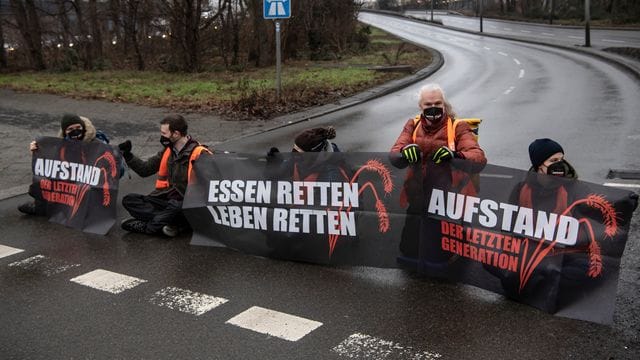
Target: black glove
x,y
411,153
125,149
272,152
443,154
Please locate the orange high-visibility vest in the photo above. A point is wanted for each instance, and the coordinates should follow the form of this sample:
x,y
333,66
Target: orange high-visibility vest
x,y
163,173
474,123
462,182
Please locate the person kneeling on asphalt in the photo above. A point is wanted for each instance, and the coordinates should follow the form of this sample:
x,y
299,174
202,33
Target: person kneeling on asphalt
x,y
160,212
72,128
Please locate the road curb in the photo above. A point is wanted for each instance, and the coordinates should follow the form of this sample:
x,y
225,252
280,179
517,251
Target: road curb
x,y
376,92
628,65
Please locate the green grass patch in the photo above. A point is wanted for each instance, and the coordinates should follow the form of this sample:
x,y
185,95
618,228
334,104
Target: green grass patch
x,y
304,83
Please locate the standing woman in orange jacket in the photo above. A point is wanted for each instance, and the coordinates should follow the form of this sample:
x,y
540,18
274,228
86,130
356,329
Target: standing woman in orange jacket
x,y
424,146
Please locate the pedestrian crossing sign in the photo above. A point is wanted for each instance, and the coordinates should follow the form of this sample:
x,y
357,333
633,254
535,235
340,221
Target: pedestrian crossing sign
x,y
276,9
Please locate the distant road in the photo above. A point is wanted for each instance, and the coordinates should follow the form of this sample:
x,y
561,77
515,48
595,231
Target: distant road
x,y
539,32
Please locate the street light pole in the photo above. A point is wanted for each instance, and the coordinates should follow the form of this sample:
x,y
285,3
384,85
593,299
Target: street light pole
x,y
587,19
278,61
481,1
432,1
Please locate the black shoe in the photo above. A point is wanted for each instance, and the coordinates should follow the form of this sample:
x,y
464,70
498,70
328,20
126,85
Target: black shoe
x,y
31,208
134,225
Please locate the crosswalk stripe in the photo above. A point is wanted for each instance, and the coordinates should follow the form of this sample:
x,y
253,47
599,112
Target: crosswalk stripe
x,y
274,323
362,346
108,281
186,301
8,251
43,264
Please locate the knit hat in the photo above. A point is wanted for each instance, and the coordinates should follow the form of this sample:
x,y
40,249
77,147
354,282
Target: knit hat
x,y
314,140
70,119
541,149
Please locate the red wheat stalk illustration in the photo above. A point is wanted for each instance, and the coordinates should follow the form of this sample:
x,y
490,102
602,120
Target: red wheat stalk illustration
x,y
111,169
609,219
379,168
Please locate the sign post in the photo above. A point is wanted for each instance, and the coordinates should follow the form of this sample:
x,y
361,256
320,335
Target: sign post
x,y
275,10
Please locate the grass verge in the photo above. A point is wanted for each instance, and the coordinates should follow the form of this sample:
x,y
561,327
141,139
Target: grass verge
x,y
238,95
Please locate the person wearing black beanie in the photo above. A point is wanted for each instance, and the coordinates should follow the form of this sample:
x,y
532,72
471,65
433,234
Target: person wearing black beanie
x,y
541,150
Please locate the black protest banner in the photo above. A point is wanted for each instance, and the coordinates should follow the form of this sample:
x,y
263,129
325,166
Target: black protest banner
x,y
78,181
297,207
552,243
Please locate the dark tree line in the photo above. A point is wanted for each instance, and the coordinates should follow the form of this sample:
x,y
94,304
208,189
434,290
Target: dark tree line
x,y
174,35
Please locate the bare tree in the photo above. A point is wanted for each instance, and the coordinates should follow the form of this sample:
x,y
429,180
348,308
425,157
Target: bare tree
x,y
26,16
3,53
96,32
131,31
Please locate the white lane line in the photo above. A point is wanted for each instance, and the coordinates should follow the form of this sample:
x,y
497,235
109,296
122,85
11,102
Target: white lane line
x,y
274,323
362,346
492,26
525,31
502,53
548,34
8,251
575,37
509,90
622,185
186,301
497,176
521,75
108,281
614,41
516,61
486,48
43,264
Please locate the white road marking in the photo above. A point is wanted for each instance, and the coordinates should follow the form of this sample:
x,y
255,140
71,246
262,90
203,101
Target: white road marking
x,y
487,48
521,75
43,264
492,26
614,41
502,53
362,346
576,37
497,176
187,301
274,323
8,251
622,185
108,281
508,29
516,61
525,31
509,90
548,34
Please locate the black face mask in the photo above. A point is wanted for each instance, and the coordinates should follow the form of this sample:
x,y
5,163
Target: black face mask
x,y
75,134
560,168
433,114
165,141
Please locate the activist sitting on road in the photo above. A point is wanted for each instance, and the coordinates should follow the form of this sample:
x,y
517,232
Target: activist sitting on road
x,y
552,186
423,145
74,128
160,212
326,165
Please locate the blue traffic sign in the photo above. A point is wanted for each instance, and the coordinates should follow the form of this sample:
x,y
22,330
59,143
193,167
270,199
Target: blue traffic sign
x,y
276,9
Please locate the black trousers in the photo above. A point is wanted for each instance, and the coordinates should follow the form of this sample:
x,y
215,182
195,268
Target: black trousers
x,y
155,211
